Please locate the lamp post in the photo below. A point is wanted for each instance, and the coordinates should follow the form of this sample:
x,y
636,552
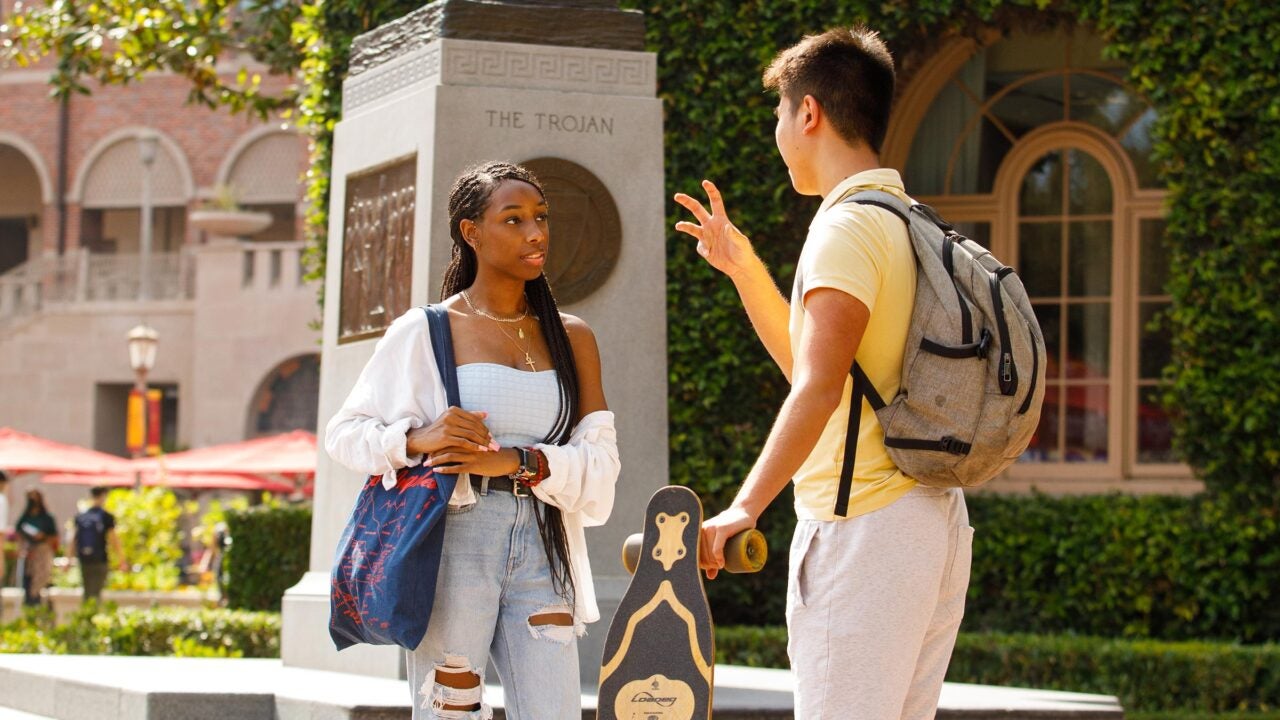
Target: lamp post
x,y
147,147
142,357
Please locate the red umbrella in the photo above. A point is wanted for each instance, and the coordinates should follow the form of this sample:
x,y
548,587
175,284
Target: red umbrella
x,y
91,479
292,453
21,452
192,481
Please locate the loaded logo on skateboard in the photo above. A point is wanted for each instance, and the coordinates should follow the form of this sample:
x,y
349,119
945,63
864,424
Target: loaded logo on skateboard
x,y
655,698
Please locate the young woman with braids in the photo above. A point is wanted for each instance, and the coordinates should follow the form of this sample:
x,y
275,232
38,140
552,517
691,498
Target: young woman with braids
x,y
534,438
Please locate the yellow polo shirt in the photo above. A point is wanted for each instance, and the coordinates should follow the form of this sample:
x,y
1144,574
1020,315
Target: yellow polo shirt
x,y
863,251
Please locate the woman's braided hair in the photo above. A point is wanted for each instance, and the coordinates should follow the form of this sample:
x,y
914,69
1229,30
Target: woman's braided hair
x,y
468,199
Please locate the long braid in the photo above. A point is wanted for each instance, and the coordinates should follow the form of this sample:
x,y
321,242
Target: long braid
x,y
468,200
554,539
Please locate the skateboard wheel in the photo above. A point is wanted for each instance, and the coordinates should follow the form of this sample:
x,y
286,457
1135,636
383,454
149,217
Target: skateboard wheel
x,y
631,552
746,552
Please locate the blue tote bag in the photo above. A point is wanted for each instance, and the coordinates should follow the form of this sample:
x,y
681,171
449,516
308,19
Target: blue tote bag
x,y
384,576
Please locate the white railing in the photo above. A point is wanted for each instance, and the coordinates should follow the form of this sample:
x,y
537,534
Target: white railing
x,y
272,265
83,277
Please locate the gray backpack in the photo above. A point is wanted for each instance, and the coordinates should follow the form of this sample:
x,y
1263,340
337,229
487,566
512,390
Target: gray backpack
x,y
973,370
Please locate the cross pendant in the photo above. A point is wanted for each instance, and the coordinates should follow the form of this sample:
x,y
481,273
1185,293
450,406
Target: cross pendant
x,y
529,361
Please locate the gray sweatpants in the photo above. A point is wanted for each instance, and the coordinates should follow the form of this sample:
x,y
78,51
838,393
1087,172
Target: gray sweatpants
x,y
873,607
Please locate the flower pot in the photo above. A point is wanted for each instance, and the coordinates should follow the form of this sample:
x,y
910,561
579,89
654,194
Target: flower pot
x,y
229,223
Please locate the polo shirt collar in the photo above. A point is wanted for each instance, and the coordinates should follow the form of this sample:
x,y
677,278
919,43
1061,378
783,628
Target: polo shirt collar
x,y
874,179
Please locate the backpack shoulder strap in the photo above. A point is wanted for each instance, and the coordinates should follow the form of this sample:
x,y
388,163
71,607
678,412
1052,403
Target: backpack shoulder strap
x,y
862,387
881,199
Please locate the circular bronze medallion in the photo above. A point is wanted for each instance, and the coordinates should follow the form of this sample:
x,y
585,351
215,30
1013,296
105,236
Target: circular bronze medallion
x,y
586,230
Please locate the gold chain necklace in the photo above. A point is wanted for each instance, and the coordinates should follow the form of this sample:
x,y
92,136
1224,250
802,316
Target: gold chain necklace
x,y
491,316
528,357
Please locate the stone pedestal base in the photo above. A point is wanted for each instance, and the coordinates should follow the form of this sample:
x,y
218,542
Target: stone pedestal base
x,y
305,638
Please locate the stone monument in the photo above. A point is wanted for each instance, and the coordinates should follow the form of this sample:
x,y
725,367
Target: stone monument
x,y
565,87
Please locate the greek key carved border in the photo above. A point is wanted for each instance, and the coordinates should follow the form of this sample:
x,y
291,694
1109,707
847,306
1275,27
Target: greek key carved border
x,y
387,79
555,68
463,62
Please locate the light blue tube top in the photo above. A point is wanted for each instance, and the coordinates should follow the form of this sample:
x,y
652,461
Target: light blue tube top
x,y
522,405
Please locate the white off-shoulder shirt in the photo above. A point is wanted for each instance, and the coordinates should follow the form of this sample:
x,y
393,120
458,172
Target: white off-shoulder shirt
x,y
400,389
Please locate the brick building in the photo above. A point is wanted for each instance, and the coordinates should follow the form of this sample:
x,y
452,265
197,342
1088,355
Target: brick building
x,y
238,356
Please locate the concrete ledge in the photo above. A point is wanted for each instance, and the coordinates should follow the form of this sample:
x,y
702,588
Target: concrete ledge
x,y
72,687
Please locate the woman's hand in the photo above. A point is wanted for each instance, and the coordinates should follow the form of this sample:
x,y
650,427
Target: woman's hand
x,y
455,428
475,462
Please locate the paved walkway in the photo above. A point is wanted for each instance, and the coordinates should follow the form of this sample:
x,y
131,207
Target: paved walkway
x,y
79,687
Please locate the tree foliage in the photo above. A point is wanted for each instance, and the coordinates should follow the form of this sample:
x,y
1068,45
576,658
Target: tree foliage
x,y
120,41
147,524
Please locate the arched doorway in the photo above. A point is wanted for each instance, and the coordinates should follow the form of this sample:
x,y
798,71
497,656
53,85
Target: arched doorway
x,y
21,203
1036,147
287,398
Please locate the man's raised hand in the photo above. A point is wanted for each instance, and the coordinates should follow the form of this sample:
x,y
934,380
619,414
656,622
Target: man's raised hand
x,y
719,241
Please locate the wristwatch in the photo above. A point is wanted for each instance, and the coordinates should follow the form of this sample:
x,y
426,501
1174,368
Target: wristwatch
x,y
524,473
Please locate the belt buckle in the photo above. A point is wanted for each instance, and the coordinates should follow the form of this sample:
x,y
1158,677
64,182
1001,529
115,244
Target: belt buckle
x,y
518,489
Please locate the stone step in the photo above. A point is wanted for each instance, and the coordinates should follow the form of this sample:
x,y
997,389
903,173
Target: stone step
x,y
76,687
7,714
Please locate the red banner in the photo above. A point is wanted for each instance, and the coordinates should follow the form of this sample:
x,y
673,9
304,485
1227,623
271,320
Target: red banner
x,y
153,421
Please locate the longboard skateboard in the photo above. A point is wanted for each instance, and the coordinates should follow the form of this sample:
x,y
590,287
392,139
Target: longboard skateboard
x,y
659,656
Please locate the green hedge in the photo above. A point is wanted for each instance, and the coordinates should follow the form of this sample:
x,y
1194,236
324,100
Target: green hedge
x,y
1146,675
270,551
155,631
1171,568
1160,567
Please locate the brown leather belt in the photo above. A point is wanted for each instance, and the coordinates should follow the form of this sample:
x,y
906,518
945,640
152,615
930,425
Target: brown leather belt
x,y
502,483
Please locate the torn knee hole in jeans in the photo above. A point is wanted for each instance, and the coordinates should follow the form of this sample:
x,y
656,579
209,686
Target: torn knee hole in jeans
x,y
453,690
553,623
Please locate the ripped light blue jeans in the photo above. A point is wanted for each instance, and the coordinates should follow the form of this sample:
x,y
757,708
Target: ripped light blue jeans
x,y
493,577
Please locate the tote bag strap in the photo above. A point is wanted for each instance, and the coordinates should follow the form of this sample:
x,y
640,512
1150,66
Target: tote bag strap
x,y
442,347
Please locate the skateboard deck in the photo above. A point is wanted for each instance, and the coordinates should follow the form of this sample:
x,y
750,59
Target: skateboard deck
x,y
659,656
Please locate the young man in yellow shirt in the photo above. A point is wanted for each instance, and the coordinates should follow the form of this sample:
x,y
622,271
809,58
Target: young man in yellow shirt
x,y
875,594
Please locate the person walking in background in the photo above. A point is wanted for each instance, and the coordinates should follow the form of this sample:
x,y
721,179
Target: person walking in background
x,y
94,529
879,567
39,538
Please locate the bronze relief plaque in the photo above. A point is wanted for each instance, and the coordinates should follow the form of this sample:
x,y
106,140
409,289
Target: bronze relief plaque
x,y
377,248
586,230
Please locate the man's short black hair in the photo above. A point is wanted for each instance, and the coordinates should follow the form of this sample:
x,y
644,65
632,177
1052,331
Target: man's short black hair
x,y
3,478
99,492
849,71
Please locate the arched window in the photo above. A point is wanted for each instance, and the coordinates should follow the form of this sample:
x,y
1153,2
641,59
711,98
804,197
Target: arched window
x,y
1036,147
110,196
266,175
